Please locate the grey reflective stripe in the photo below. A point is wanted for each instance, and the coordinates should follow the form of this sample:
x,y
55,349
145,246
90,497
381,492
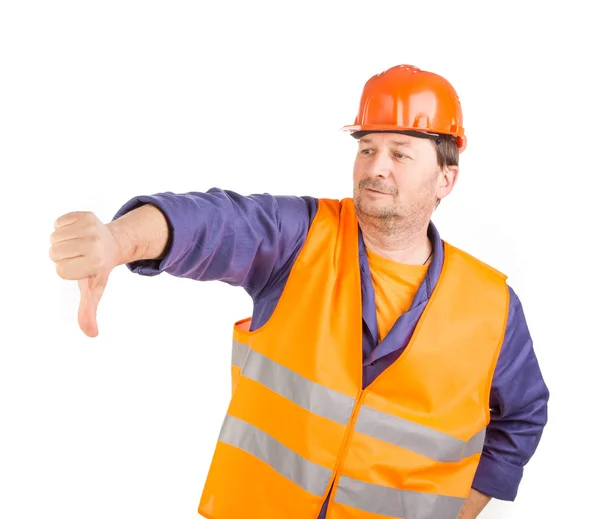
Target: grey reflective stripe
x,y
475,444
392,502
311,477
239,351
307,394
417,438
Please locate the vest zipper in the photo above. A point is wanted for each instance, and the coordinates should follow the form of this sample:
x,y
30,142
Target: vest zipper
x,y
344,450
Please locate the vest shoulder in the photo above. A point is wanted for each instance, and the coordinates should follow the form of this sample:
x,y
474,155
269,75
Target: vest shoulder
x,y
333,209
329,204
475,262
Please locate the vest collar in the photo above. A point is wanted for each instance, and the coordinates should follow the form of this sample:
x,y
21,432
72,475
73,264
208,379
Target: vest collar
x,y
423,292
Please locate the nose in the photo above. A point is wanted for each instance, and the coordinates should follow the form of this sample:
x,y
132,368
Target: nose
x,y
380,165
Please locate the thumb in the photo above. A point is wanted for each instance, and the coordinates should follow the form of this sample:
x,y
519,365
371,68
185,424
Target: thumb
x,y
91,292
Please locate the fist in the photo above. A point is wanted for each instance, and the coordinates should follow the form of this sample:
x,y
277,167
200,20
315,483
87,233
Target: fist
x,y
84,249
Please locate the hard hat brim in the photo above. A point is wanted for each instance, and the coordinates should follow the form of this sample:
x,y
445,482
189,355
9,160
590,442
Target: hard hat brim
x,y
460,137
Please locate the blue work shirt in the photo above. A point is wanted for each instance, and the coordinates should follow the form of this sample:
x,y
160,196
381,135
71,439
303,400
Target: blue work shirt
x,y
253,241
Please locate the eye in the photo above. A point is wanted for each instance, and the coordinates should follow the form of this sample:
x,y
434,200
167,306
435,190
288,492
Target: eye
x,y
399,155
366,151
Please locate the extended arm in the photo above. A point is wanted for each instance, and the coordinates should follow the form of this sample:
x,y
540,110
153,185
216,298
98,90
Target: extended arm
x,y
215,235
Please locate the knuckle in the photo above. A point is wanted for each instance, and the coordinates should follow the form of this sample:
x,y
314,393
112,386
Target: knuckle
x,y
88,227
62,220
95,240
88,217
61,270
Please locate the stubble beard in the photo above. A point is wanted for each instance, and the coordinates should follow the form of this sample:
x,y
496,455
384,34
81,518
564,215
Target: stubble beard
x,y
390,220
385,219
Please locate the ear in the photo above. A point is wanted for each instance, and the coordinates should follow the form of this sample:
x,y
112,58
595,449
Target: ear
x,y
446,181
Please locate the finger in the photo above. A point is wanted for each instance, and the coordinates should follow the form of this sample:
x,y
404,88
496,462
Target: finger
x,y
76,268
69,249
77,229
69,218
88,306
74,217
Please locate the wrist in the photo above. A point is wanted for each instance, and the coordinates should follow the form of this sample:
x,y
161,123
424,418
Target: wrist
x,y
124,249
140,234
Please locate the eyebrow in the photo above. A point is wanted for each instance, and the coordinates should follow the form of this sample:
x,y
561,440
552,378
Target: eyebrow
x,y
397,143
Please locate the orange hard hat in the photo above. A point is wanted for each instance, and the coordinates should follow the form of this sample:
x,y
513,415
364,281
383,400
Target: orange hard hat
x,y
405,98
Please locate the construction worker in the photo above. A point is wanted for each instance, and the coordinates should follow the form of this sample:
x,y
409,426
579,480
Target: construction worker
x,y
384,372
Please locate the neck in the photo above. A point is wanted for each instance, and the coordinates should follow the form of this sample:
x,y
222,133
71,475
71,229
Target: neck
x,y
408,246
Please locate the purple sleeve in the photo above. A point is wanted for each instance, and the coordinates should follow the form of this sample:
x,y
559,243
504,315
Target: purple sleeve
x,y
220,235
518,404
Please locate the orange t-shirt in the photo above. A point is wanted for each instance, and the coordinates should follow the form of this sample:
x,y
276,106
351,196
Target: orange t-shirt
x,y
395,287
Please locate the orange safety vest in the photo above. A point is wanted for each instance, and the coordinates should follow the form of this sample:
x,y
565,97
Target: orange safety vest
x,y
299,423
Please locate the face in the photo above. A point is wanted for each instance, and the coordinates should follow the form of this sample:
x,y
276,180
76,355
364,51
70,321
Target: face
x,y
397,178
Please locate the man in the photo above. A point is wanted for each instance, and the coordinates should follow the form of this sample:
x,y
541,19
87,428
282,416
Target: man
x,y
446,403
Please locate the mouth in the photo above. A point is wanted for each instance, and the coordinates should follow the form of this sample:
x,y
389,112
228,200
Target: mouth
x,y
375,191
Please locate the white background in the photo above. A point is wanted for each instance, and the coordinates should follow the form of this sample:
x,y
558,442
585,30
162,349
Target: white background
x,y
102,101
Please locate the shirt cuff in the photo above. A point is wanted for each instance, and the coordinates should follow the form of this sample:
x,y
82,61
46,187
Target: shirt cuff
x,y
497,479
167,205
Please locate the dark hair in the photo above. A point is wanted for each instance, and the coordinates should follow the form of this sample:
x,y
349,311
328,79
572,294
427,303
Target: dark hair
x,y
446,148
